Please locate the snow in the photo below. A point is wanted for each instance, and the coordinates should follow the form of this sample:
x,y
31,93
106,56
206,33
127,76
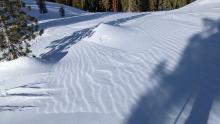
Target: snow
x,y
110,35
203,2
117,68
27,65
53,11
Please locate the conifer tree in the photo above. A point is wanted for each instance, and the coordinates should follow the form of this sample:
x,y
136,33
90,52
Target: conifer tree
x,y
69,2
42,6
106,4
135,5
62,11
77,3
125,5
116,5
16,30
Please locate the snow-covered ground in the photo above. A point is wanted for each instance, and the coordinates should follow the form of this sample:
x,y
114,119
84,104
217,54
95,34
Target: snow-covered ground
x,y
117,68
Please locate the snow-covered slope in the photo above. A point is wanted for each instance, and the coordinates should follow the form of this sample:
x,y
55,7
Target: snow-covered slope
x,y
118,68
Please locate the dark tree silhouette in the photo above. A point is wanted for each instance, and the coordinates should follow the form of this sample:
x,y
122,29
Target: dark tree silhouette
x,y
42,6
62,11
124,5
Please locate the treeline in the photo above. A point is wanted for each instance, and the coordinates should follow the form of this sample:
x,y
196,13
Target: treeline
x,y
124,5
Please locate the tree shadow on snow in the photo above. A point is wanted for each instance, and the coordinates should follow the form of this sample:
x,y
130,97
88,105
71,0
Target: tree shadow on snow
x,y
73,19
195,80
59,48
122,20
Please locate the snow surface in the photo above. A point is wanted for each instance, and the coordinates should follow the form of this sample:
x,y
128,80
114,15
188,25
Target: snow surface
x,y
117,68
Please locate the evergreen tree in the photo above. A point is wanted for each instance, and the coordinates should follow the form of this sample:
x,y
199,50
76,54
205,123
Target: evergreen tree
x,y
135,6
116,5
16,29
125,5
188,1
62,11
77,3
94,5
105,4
144,5
42,6
69,2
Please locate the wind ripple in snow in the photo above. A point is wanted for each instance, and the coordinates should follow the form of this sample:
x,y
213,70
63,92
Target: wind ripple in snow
x,y
99,79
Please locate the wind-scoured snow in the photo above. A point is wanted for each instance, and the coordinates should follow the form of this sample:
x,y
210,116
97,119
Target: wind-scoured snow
x,y
118,68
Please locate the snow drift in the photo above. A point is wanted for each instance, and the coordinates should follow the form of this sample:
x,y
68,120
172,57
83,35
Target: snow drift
x,y
121,68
